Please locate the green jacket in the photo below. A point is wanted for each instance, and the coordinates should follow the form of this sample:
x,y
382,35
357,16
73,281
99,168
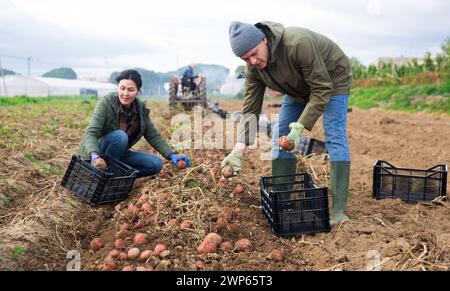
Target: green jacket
x,y
306,66
105,119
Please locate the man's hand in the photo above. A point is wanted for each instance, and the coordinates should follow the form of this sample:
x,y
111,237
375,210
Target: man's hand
x,y
295,134
234,159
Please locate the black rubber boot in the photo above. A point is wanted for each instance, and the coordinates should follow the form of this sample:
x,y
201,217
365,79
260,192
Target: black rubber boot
x,y
284,167
340,178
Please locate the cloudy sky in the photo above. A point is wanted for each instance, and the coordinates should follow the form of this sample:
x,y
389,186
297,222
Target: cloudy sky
x,y
96,37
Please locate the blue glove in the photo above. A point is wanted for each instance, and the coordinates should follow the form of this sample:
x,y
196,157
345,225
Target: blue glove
x,y
174,158
94,156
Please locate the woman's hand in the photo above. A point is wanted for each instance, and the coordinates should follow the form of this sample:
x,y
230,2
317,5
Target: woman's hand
x,y
175,159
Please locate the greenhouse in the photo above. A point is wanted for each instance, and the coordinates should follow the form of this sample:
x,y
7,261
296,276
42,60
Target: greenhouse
x,y
16,85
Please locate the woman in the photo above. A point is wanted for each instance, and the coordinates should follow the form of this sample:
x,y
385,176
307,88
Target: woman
x,y
118,123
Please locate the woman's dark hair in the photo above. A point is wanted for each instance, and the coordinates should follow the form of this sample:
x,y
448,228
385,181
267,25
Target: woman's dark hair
x,y
132,75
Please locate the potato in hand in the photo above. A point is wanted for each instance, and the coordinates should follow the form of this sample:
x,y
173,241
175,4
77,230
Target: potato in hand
x,y
286,144
227,171
100,164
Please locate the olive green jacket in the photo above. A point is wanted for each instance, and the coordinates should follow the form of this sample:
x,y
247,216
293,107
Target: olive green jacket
x,y
105,119
306,66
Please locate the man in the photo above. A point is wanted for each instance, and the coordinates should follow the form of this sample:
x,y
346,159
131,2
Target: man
x,y
188,77
315,75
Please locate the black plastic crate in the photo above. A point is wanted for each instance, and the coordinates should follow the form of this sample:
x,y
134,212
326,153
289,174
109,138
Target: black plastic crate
x,y
293,205
309,145
409,184
99,187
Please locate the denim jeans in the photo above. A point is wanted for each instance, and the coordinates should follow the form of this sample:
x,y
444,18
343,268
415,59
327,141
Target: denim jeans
x,y
115,144
334,124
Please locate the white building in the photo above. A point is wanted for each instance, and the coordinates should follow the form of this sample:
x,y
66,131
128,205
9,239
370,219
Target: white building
x,y
16,85
400,61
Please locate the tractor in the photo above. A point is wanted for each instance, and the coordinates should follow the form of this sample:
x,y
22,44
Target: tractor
x,y
188,93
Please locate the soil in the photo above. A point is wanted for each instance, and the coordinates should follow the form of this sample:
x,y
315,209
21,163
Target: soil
x,y
40,222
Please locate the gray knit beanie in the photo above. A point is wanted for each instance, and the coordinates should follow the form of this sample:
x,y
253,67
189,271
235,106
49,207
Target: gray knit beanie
x,y
244,37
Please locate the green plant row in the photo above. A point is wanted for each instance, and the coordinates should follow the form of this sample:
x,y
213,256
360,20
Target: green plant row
x,y
410,98
24,100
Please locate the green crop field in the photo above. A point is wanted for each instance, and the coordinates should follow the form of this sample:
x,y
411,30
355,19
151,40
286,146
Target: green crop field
x,y
410,98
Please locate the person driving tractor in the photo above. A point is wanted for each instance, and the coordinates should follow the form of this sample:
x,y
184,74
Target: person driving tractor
x,y
188,77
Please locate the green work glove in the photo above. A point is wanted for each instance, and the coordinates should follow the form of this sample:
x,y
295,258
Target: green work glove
x,y
234,159
295,134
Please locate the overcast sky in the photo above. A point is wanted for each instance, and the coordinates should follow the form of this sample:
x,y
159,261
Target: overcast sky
x,y
96,37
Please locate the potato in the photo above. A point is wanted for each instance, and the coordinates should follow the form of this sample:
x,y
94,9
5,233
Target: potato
x,y
144,198
141,239
186,225
226,246
146,254
128,269
142,214
227,171
181,165
243,245
147,208
114,254
200,265
100,164
131,212
109,264
119,244
118,207
239,189
213,238
221,223
163,196
277,255
173,222
207,247
123,256
140,224
286,144
159,248
216,168
144,269
134,253
96,244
